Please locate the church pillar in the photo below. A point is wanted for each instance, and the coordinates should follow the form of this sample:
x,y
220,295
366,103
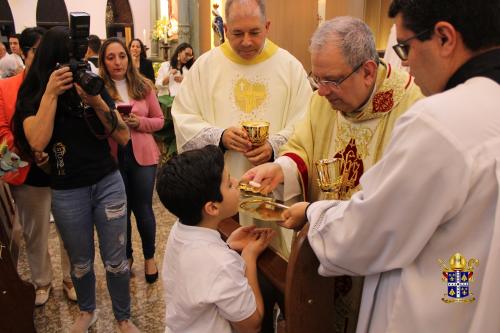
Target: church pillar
x,y
184,24
195,25
154,14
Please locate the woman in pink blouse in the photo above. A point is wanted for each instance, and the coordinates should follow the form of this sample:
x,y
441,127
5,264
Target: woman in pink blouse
x,y
136,100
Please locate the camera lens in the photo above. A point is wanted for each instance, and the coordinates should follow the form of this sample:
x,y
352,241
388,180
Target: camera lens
x,y
90,82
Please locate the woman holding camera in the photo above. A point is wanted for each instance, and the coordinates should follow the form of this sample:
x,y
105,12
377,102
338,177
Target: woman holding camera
x,y
135,95
53,115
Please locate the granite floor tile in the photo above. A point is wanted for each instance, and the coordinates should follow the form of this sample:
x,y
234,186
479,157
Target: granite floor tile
x,y
148,305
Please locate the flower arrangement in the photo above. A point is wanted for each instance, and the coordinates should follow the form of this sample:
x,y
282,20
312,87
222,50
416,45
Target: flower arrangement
x,y
166,30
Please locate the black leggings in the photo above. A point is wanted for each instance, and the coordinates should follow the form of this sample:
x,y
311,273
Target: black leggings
x,y
139,183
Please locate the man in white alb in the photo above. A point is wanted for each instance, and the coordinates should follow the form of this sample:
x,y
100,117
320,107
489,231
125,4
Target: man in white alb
x,y
246,78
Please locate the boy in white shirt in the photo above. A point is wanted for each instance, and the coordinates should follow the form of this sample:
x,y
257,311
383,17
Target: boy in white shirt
x,y
208,286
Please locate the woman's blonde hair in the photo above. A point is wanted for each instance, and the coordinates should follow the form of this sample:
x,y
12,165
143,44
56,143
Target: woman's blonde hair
x,y
138,86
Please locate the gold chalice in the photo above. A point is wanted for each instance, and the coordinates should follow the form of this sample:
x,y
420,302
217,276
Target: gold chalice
x,y
328,171
258,131
333,177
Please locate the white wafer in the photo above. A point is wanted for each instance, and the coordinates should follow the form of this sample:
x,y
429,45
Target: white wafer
x,y
254,184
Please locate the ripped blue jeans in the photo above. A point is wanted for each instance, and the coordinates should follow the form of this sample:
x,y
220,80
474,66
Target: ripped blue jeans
x,y
76,212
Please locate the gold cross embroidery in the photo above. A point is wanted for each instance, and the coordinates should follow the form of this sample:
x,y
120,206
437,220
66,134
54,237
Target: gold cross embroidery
x,y
249,95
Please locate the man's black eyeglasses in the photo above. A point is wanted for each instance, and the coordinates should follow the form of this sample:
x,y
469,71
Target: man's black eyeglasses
x,y
332,83
402,49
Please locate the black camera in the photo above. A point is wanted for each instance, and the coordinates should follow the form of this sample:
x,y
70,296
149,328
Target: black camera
x,y
79,29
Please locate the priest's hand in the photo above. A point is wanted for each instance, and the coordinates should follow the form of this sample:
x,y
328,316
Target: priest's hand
x,y
235,138
260,154
268,175
295,217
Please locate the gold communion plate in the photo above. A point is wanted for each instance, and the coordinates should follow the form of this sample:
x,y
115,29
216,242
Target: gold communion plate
x,y
248,188
263,209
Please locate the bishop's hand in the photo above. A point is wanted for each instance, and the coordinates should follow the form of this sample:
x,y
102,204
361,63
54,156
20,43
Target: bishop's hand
x,y
268,175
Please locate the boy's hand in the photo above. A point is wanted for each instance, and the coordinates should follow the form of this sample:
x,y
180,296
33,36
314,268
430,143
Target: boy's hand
x,y
295,216
240,237
258,243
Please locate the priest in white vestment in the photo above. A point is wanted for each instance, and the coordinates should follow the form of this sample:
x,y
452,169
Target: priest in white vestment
x,y
434,194
246,78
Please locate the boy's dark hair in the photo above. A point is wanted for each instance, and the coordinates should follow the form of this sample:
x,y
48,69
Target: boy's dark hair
x,y
29,37
189,180
94,43
476,20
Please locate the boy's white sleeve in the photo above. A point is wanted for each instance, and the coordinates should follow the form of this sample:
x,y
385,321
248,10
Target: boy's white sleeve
x,y
231,292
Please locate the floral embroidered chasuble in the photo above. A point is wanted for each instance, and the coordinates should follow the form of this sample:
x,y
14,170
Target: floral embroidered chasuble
x,y
358,138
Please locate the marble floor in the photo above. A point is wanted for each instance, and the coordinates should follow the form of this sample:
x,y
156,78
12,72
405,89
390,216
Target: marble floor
x,y
148,304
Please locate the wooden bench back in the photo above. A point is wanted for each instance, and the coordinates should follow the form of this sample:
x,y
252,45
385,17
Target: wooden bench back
x,y
17,297
309,297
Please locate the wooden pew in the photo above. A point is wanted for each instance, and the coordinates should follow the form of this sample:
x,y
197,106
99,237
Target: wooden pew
x,y
17,297
309,297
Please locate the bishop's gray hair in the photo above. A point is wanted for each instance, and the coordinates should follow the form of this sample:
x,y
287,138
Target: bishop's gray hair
x,y
351,35
260,3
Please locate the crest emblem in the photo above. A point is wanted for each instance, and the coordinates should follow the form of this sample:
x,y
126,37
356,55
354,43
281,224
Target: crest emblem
x,y
457,277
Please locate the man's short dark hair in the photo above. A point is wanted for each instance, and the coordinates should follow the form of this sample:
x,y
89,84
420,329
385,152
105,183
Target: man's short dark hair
x,y
189,180
14,36
29,37
94,43
477,20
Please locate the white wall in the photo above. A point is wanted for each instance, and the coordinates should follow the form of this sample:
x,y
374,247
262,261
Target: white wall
x,y
142,20
97,11
24,13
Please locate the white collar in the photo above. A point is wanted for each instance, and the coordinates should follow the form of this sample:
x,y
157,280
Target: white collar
x,y
194,232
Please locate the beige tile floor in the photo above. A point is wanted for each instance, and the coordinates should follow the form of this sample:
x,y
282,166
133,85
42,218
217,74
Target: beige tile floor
x,y
148,304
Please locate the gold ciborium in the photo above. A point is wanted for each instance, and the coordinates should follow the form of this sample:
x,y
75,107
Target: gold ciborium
x,y
258,131
333,177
